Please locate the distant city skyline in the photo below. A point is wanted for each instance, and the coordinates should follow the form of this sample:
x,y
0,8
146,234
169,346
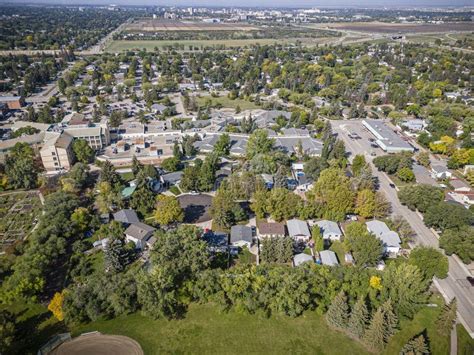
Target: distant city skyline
x,y
259,3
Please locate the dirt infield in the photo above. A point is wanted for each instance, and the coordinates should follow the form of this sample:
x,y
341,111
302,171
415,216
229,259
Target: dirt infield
x,y
99,344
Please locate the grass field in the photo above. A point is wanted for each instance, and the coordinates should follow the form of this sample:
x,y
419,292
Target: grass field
x,y
122,45
465,342
206,330
227,103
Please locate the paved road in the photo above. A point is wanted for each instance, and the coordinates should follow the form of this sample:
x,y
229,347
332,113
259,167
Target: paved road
x,y
455,285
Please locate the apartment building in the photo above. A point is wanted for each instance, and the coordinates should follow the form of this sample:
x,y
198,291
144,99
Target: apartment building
x,y
57,153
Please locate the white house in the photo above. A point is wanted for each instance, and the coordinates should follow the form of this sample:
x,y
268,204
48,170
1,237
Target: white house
x,y
390,239
298,230
139,233
329,230
440,171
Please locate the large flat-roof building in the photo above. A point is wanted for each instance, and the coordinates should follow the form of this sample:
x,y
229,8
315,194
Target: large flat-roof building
x,y
56,153
387,139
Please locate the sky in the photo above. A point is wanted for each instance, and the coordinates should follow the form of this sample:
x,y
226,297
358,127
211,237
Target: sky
x,y
262,3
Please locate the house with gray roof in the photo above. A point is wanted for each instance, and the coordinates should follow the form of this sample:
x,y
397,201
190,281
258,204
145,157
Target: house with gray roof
x,y
390,239
298,230
302,258
126,216
329,230
241,236
139,233
171,179
328,258
290,145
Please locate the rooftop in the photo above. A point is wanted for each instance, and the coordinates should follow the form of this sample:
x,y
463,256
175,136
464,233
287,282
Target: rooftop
x,y
265,228
139,230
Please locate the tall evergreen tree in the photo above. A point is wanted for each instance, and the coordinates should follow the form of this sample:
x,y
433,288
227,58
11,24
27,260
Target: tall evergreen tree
x,y
375,333
116,254
447,318
281,179
338,312
391,320
416,346
358,319
136,166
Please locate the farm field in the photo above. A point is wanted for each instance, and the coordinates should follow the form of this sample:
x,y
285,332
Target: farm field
x,y
17,214
185,45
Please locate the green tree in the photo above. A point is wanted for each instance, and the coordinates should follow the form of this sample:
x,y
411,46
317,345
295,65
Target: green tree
x,y
447,318
277,250
391,320
108,174
374,337
460,242
416,346
136,166
82,219
358,319
317,238
171,164
259,143
20,167
222,146
143,199
177,154
357,164
406,175
190,178
430,261
365,203
168,210
281,204
116,254
366,248
423,158
224,210
338,312
83,152
259,204
333,189
7,330
405,286
448,216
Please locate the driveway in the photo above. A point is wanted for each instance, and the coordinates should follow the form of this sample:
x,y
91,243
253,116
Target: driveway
x,y
196,207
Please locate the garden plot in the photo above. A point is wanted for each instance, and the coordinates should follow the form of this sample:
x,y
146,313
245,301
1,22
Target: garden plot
x,y
18,214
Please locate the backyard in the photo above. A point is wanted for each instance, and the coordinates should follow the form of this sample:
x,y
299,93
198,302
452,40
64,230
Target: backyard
x,y
18,212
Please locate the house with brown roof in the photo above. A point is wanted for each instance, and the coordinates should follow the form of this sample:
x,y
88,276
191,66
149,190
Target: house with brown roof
x,y
270,230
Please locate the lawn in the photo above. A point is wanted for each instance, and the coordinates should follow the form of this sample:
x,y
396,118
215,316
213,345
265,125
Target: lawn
x,y
465,342
423,322
122,45
227,103
206,330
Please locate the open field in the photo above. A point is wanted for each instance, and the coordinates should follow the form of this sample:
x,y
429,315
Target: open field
x,y
17,214
161,25
225,102
205,329
150,45
394,28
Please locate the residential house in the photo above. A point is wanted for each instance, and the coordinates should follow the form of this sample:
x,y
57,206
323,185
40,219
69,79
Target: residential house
x,y
440,171
217,242
390,239
328,258
126,217
329,230
298,230
171,179
270,230
414,125
241,236
139,233
459,185
302,258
